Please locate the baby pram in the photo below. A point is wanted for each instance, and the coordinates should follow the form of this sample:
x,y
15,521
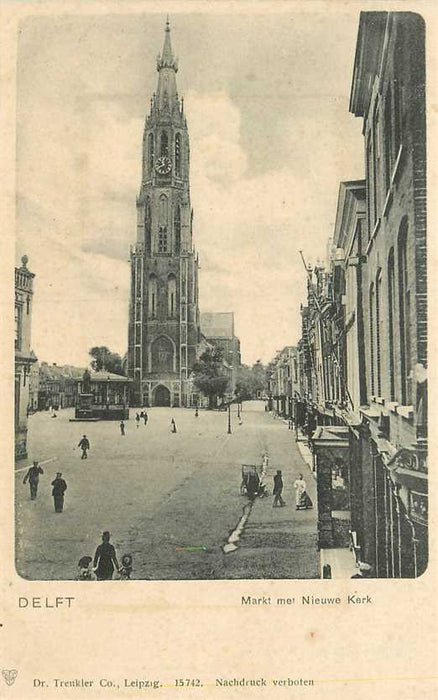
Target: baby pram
x,y
252,484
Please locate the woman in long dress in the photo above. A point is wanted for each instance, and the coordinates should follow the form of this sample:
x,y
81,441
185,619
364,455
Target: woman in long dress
x,y
105,559
302,500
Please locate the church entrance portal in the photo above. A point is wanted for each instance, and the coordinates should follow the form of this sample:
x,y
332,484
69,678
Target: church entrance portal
x,y
161,396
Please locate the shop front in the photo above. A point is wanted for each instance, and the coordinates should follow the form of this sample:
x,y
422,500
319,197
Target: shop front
x,y
331,452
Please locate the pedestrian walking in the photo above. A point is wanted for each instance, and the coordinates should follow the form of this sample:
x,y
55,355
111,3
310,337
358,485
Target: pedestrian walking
x,y
122,427
145,417
302,499
196,412
33,476
59,488
278,490
137,419
172,426
84,444
105,559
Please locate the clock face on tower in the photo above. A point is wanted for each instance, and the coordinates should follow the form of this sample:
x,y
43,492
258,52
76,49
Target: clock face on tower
x,y
163,165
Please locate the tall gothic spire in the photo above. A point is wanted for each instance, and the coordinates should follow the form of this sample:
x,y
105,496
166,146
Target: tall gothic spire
x,y
166,99
167,59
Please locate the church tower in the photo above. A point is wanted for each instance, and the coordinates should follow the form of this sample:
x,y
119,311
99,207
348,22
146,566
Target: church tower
x,y
164,327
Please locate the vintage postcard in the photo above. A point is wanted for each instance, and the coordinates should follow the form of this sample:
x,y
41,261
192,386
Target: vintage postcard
x,y
215,435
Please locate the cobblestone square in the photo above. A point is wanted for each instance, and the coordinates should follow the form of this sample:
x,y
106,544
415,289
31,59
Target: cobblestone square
x,y
158,492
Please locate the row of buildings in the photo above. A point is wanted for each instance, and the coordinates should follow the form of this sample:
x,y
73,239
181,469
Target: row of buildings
x,y
58,386
356,380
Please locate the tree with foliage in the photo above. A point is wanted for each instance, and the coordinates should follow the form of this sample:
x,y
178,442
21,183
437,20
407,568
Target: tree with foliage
x,y
104,359
251,381
209,375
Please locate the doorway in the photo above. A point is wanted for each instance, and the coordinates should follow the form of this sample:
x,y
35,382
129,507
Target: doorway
x,y
161,396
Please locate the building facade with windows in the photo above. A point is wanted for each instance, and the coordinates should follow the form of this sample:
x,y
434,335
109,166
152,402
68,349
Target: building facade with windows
x,y
362,357
58,386
24,358
283,381
388,93
164,323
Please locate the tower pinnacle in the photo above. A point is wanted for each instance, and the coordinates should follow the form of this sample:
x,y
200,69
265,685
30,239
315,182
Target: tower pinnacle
x,y
167,59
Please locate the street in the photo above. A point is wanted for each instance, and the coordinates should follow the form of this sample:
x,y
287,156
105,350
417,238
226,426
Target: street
x,y
170,500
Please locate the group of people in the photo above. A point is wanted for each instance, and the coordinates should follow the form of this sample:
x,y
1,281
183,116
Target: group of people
x,y
59,485
142,416
104,563
105,558
302,498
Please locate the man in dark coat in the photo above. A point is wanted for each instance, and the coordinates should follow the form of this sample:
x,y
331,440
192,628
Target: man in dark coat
x,y
278,489
59,488
33,475
105,559
122,427
84,444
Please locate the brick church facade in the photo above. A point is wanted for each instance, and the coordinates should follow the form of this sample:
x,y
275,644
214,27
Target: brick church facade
x,y
164,322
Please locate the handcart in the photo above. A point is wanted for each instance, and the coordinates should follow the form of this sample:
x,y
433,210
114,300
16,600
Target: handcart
x,y
251,484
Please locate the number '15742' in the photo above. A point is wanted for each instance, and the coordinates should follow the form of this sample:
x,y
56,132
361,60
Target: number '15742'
x,y
188,682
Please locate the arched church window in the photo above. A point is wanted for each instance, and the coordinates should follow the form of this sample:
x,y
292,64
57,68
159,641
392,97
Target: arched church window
x,y
148,227
152,296
178,155
162,239
177,228
163,210
171,296
162,355
162,224
164,144
138,275
150,153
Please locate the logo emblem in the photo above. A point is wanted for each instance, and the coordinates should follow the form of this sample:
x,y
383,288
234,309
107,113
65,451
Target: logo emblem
x,y
9,676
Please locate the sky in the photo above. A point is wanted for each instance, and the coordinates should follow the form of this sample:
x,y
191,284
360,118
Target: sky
x,y
266,99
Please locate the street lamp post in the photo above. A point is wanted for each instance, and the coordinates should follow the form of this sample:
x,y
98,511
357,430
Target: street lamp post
x,y
230,398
